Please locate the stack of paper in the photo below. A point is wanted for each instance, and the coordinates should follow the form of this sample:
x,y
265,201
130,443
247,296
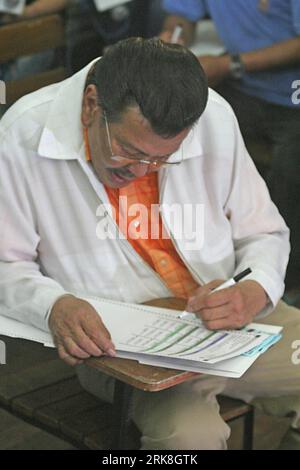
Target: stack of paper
x,y
157,336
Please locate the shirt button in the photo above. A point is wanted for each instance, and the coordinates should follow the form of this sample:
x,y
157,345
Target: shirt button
x,y
164,262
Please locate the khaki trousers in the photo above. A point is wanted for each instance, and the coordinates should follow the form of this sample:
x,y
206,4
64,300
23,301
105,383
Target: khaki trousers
x,y
187,415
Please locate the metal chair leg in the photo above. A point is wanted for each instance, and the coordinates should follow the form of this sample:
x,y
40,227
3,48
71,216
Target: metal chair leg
x,y
248,430
123,413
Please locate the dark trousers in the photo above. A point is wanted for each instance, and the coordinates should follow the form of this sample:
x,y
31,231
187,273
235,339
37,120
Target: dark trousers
x,y
279,126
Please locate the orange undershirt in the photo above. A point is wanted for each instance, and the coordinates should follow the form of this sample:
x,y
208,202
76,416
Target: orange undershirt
x,y
156,250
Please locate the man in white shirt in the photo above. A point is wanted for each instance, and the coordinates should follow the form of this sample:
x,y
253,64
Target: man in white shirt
x,y
142,109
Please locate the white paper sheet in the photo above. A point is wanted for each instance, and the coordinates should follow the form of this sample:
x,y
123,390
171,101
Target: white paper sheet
x,y
16,329
103,5
231,368
14,7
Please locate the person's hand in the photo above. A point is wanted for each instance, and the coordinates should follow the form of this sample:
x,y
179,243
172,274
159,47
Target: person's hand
x,y
216,68
166,36
78,331
170,24
229,308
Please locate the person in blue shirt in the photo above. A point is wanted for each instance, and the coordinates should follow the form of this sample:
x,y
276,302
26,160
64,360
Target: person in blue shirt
x,y
260,77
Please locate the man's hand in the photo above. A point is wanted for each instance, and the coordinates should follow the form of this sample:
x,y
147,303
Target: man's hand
x,y
78,331
216,68
188,30
229,308
166,36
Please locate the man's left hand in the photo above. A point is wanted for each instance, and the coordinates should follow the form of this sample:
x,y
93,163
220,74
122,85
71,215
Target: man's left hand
x,y
229,308
216,68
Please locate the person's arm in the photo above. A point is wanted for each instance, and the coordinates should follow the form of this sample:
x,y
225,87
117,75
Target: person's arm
x,y
261,242
27,294
279,55
44,7
188,29
185,13
260,235
283,54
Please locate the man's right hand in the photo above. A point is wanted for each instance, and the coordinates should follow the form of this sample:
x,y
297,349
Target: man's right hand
x,y
78,331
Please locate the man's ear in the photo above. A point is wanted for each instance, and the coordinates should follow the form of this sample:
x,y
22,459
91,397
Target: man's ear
x,y
90,106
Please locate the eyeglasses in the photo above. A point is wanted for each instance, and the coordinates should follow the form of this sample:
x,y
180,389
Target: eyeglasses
x,y
155,163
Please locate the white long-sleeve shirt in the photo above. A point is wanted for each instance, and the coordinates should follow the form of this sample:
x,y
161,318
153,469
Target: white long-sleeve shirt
x,y
56,229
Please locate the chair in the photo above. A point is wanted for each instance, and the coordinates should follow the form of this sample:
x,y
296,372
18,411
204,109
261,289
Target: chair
x,y
30,37
130,374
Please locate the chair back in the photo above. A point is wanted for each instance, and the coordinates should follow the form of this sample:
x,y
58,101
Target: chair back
x,y
28,37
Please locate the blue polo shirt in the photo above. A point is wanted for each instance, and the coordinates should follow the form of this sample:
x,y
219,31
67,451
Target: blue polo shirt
x,y
247,25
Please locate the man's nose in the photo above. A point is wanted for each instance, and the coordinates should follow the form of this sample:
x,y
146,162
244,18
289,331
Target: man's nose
x,y
139,169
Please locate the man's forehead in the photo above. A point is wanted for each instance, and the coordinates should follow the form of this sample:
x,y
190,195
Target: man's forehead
x,y
135,131
135,116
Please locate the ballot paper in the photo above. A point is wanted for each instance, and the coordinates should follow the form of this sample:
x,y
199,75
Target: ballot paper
x,y
231,368
157,336
14,7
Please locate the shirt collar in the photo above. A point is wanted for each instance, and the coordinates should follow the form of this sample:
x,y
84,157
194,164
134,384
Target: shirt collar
x,y
62,136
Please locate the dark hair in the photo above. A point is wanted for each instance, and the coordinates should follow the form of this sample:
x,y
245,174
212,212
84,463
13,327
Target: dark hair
x,y
166,81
